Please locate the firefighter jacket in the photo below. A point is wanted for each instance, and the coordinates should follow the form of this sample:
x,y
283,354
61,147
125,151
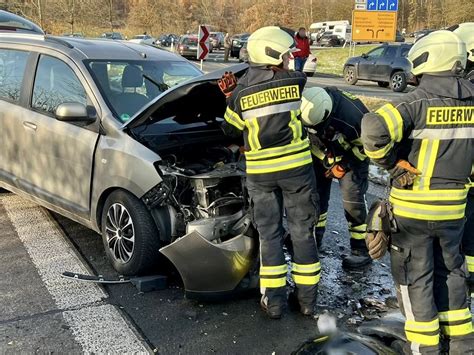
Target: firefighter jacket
x,y
265,105
338,137
433,129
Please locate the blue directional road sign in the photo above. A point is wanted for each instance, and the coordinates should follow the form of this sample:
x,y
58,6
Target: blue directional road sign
x,y
382,5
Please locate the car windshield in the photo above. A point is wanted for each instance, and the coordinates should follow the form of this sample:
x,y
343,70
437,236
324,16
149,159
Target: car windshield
x,y
129,85
191,41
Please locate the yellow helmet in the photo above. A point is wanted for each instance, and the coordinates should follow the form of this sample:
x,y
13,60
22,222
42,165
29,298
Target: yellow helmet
x,y
316,105
267,45
465,31
439,51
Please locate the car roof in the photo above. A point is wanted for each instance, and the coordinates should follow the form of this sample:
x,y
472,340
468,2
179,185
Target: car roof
x,y
81,48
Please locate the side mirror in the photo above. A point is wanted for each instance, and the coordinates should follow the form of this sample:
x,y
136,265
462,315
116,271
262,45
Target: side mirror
x,y
364,55
73,112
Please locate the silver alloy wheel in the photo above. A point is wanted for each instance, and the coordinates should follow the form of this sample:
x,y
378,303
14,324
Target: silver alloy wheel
x,y
397,81
349,75
120,233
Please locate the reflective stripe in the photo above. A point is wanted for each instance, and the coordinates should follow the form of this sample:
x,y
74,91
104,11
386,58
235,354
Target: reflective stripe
x,y
406,303
273,283
444,133
430,195
321,339
470,263
426,162
344,144
393,120
427,212
318,153
455,315
306,268
271,110
274,152
356,151
415,326
234,119
306,280
295,126
253,128
378,154
459,329
422,339
322,220
273,270
279,164
358,232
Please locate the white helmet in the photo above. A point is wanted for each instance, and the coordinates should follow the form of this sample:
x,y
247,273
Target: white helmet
x,y
465,31
267,45
439,51
316,105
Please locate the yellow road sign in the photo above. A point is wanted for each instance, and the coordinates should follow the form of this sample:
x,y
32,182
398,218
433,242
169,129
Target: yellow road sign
x,y
374,26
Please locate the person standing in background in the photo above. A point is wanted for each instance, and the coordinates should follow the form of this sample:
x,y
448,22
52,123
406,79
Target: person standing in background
x,y
227,45
302,44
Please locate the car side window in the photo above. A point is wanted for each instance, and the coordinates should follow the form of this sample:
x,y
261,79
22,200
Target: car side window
x,y
55,84
404,51
376,53
12,70
391,52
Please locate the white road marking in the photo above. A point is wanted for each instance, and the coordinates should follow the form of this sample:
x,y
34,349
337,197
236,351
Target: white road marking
x,y
98,328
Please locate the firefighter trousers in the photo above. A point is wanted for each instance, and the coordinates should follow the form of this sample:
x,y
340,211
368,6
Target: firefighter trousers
x,y
429,274
468,238
299,197
353,189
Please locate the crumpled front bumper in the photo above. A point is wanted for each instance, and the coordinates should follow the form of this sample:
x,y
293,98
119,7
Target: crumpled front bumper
x,y
211,267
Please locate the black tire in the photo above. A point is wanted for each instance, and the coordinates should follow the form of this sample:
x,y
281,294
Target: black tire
x,y
383,84
398,81
144,250
350,75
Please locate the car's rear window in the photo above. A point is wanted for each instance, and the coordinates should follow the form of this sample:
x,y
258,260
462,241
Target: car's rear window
x,y
190,41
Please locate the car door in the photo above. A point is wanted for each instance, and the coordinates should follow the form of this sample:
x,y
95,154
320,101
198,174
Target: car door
x,y
366,67
61,153
13,63
384,64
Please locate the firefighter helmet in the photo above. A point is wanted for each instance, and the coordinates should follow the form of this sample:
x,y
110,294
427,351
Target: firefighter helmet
x,y
437,52
465,31
267,45
316,105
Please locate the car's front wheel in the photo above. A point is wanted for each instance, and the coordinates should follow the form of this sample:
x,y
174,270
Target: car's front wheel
x,y
398,81
350,75
129,234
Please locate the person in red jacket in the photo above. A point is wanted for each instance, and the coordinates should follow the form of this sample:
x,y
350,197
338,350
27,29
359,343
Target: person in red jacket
x,y
302,43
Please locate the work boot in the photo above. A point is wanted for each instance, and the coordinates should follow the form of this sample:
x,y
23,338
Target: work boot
x,y
357,259
273,311
307,311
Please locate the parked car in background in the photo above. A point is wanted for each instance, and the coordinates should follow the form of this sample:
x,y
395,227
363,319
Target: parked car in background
x,y
387,65
165,40
75,35
244,54
12,23
188,46
309,67
217,40
143,39
421,33
330,40
112,35
237,43
399,37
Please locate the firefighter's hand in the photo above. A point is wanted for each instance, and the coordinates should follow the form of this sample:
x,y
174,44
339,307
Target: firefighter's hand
x,y
336,172
227,83
403,174
377,244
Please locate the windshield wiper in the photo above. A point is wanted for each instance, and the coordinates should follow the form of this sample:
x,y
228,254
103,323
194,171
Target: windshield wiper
x,y
161,86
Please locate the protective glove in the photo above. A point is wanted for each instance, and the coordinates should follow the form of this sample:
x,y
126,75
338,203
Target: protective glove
x,y
227,83
403,174
377,244
336,172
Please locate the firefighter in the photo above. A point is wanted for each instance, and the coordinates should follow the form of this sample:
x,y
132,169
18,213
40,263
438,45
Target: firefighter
x,y
265,105
333,118
466,32
426,142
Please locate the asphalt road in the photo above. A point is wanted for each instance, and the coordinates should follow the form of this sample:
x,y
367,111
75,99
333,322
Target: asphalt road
x,y
159,321
215,61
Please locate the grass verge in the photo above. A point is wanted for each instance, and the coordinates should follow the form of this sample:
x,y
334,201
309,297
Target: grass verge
x,y
372,103
331,60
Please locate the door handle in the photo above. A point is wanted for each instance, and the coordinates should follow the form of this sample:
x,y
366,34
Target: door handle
x,y
29,125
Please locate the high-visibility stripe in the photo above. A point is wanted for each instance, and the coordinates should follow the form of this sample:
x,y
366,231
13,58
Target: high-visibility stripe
x,y
358,154
318,153
394,121
306,268
277,151
322,220
321,339
344,144
455,315
358,232
279,164
427,212
272,283
412,325
426,162
234,119
253,128
273,270
380,153
295,126
470,263
459,329
429,195
306,280
271,110
422,339
444,133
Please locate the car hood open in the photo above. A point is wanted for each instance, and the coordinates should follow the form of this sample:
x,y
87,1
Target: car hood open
x,y
198,99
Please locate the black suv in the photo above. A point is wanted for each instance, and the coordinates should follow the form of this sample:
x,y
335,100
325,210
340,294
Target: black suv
x,y
386,64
